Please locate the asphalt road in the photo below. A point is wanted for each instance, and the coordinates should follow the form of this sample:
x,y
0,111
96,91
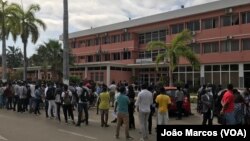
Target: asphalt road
x,y
28,127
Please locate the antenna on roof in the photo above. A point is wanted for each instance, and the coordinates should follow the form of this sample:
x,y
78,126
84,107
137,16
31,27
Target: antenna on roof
x,y
182,6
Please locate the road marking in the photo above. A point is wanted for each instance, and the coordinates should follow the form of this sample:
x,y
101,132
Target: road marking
x,y
3,138
76,134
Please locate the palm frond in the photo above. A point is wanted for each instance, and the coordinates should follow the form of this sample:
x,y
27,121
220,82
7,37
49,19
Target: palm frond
x,y
156,45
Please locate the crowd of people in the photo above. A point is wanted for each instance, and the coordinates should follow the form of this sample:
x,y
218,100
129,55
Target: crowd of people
x,y
229,105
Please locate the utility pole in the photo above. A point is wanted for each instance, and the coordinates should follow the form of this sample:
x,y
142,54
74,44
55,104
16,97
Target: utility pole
x,y
65,43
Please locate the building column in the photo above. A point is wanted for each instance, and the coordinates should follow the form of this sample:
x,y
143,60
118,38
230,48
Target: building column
x,y
108,76
241,75
86,72
202,74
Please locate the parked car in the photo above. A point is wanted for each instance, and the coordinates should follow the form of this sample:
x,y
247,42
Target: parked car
x,y
170,91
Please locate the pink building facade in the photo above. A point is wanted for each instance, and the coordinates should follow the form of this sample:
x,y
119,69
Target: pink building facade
x,y
221,40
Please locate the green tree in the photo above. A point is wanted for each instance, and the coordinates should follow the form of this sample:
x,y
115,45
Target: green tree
x,y
28,26
65,43
7,22
14,57
50,54
177,48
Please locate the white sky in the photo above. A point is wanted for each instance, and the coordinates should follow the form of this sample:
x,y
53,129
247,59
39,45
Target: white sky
x,y
84,14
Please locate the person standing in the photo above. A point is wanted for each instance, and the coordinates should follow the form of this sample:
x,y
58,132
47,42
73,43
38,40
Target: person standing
x,y
50,96
163,102
179,96
9,95
228,106
67,105
83,96
104,100
207,107
58,100
131,107
37,100
143,103
121,107
112,89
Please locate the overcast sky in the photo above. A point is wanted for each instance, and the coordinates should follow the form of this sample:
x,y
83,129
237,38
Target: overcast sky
x,y
84,14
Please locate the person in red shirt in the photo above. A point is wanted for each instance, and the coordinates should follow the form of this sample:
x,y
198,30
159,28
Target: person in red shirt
x,y
228,106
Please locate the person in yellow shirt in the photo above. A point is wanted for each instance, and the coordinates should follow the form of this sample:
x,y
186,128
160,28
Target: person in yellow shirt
x,y
163,102
104,100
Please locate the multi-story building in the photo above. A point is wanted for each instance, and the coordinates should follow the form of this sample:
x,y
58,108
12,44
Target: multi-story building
x,y
221,40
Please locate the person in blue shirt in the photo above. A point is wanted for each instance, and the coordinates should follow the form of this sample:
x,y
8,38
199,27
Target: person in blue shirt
x,y
121,107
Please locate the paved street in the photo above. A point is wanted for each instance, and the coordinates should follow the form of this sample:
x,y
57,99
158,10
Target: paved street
x,y
28,127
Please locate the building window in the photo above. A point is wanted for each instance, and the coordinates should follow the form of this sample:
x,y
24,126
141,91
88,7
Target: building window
x,y
97,41
105,40
101,76
116,56
152,36
126,55
229,45
210,23
98,58
162,35
246,67
115,38
107,57
177,28
195,47
155,35
141,38
92,76
148,37
245,17
96,76
211,47
193,25
81,43
141,55
230,20
126,36
90,58
246,44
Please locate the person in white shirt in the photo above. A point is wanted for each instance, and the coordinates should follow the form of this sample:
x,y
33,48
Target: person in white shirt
x,y
112,90
143,102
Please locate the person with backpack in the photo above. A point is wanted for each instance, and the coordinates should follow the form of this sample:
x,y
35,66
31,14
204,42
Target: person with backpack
x,y
201,92
83,96
50,96
67,104
58,100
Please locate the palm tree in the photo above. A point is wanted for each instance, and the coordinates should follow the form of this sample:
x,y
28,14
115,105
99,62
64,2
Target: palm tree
x,y
177,48
52,54
7,26
65,43
28,26
14,57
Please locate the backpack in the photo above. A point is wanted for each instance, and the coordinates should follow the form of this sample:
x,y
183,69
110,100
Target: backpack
x,y
84,97
50,94
67,98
